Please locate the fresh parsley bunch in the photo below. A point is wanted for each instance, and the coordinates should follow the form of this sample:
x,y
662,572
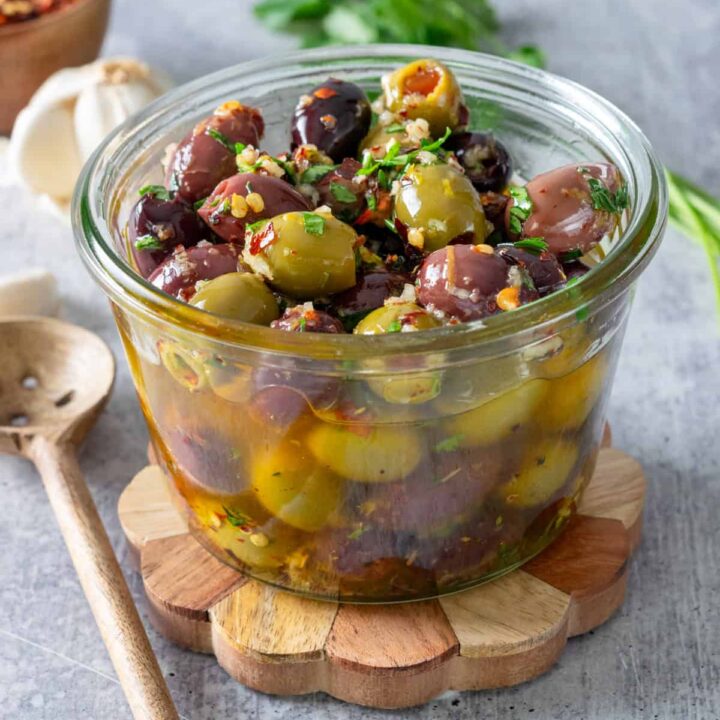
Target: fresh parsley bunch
x,y
469,24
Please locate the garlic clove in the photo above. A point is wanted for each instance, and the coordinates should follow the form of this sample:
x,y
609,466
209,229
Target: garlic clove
x,y
64,85
31,292
101,108
43,152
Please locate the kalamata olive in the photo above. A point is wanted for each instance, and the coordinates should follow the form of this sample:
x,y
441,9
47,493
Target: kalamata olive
x,y
494,206
321,391
206,155
486,161
238,295
563,210
335,117
575,269
370,292
545,469
278,408
425,89
302,318
543,268
366,453
438,204
246,198
157,226
304,255
179,272
294,487
395,317
337,190
462,281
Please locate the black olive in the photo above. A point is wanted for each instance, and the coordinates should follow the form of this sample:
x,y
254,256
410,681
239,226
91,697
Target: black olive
x,y
486,161
334,117
543,268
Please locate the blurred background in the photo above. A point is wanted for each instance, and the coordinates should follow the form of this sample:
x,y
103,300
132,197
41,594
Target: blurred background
x,y
660,656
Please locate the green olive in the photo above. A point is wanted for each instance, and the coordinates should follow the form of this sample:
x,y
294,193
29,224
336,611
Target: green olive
x,y
187,367
240,296
494,420
425,89
442,204
294,487
304,255
396,317
544,471
367,454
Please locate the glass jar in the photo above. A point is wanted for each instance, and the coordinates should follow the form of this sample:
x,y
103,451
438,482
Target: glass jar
x,y
378,468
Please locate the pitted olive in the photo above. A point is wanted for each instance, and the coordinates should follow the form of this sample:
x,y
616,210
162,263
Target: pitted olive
x,y
395,317
238,295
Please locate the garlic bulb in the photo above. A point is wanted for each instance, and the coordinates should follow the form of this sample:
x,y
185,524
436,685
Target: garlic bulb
x,y
71,112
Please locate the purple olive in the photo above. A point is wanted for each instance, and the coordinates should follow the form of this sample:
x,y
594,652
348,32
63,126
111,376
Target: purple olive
x,y
206,155
334,117
337,190
179,272
462,281
494,206
485,160
279,407
320,391
575,269
563,211
306,319
159,226
270,196
369,293
543,268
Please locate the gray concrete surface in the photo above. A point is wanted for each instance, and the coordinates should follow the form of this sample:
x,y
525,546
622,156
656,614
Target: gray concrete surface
x,y
659,657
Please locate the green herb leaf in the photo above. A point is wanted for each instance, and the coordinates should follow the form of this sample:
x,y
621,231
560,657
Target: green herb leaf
x,y
449,444
222,139
148,242
341,193
302,324
603,198
314,224
257,225
158,191
371,201
395,128
239,147
236,518
536,245
198,204
570,255
521,209
315,173
390,225
394,327
435,145
357,532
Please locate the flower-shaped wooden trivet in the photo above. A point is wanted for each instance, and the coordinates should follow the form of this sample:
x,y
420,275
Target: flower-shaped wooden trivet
x,y
499,634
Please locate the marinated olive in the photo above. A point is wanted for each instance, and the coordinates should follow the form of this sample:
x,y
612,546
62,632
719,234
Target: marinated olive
x,y
278,408
304,318
439,204
575,269
337,191
156,226
425,89
545,469
563,210
543,268
180,271
486,161
372,289
494,206
463,281
304,255
246,198
294,487
238,295
335,117
365,453
571,398
259,547
321,391
206,155
396,317
499,418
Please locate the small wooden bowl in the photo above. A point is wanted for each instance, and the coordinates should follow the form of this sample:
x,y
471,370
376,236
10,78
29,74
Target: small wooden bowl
x,y
32,50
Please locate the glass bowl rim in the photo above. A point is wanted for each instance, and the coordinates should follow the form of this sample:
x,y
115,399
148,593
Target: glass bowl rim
x,y
598,287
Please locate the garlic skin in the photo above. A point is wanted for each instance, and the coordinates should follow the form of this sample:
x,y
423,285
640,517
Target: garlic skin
x,y
30,292
70,114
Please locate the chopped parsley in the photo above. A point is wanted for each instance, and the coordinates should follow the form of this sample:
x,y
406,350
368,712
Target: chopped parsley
x,y
239,147
148,242
236,519
199,203
521,209
371,201
314,224
570,255
394,327
222,139
302,324
390,225
535,245
341,193
158,191
357,532
315,173
603,198
449,444
254,227
395,128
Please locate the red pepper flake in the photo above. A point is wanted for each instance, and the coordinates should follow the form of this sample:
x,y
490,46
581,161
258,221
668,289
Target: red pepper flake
x,y
262,239
329,121
325,93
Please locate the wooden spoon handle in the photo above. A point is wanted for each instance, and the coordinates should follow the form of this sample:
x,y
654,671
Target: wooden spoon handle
x,y
102,581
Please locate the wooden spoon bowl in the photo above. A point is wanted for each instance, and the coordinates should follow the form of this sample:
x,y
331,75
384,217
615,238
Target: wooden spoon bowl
x,y
32,50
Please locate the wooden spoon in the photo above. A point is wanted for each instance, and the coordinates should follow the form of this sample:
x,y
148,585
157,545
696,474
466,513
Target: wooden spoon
x,y
56,379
